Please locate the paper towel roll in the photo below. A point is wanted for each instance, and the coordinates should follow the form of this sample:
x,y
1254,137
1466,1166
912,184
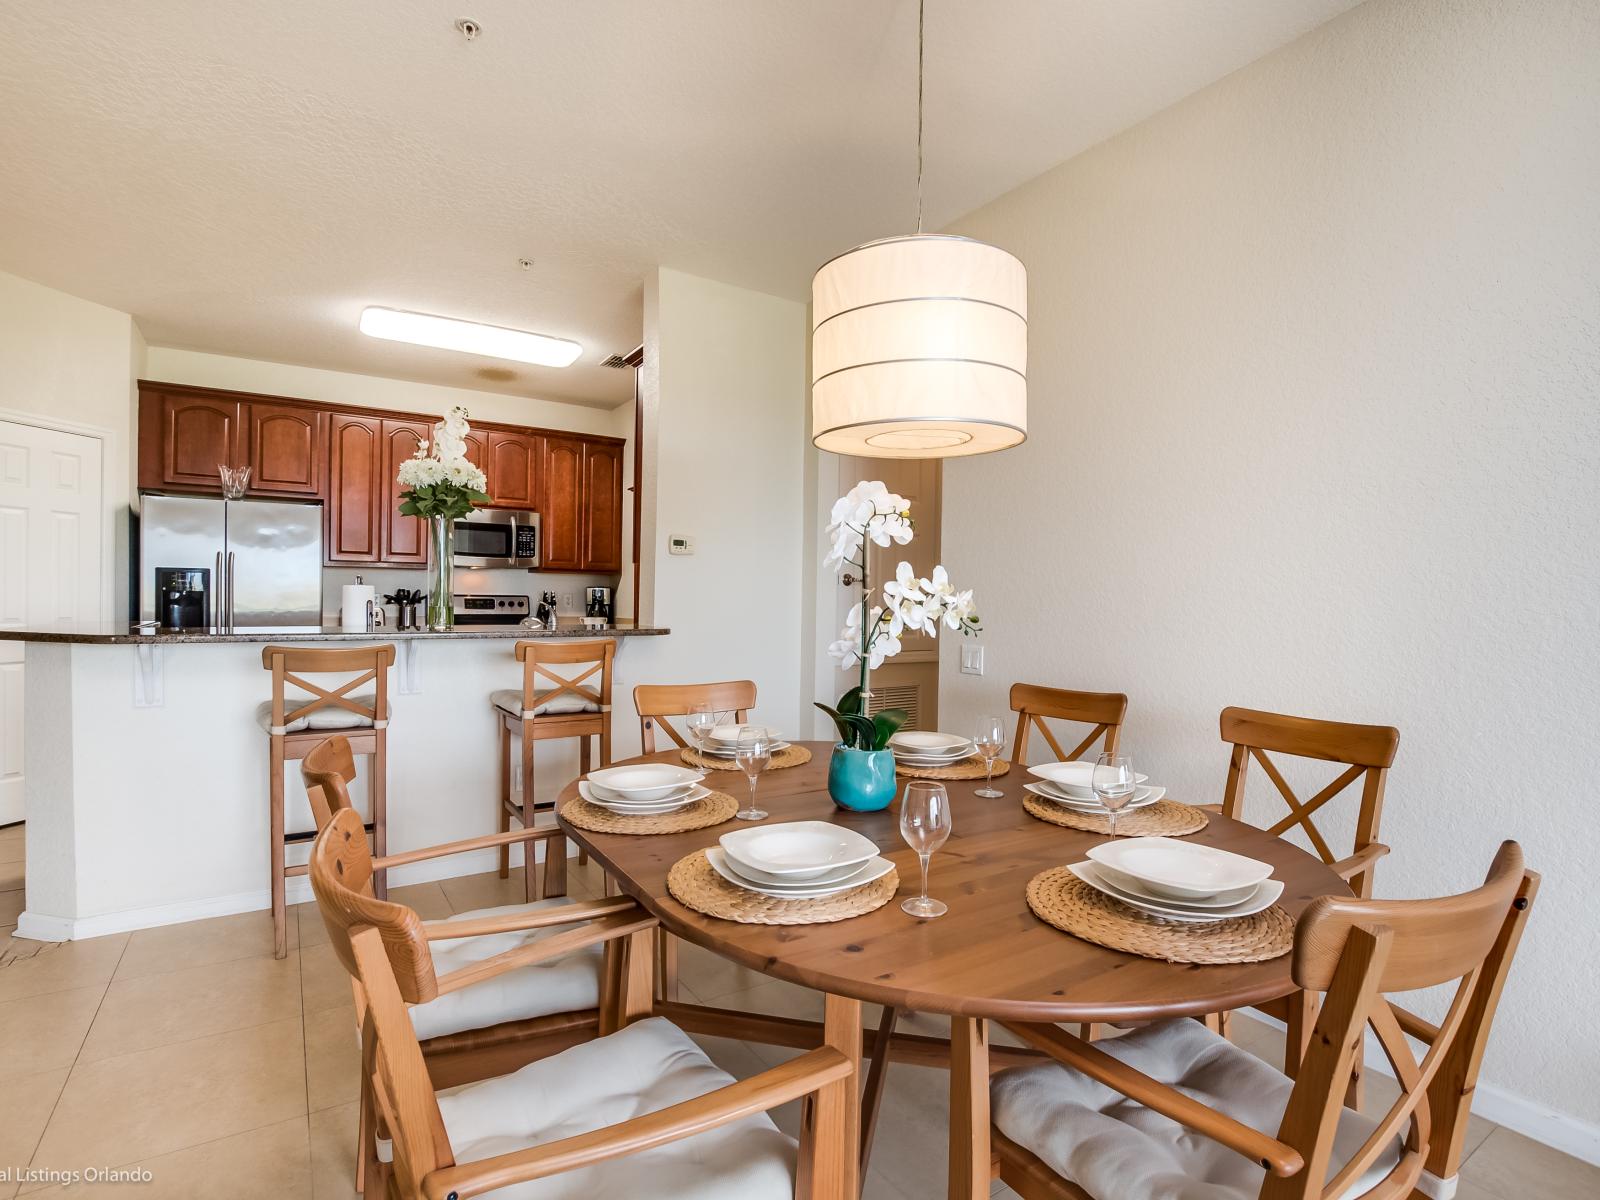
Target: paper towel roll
x,y
353,605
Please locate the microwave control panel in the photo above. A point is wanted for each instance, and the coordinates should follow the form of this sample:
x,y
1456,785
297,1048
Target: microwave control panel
x,y
527,542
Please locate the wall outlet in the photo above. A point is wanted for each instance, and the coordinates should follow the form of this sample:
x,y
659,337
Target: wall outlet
x,y
677,543
972,660
566,601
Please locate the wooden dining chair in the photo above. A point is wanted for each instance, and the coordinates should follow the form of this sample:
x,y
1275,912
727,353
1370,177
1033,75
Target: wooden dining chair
x,y
550,704
298,717
655,702
657,1118
1116,1120
1033,704
482,1028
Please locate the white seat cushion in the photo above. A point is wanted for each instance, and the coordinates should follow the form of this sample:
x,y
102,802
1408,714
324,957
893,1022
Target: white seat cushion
x,y
646,1067
564,984
331,717
510,699
1115,1148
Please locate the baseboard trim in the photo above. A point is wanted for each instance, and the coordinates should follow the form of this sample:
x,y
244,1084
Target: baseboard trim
x,y
1531,1119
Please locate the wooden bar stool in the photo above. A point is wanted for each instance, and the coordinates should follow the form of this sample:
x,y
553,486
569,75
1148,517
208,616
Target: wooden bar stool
x,y
550,705
296,722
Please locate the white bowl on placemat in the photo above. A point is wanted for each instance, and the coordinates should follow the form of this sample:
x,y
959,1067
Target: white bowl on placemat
x,y
1075,779
598,797
1142,798
830,884
644,781
1261,897
728,735
798,849
1179,869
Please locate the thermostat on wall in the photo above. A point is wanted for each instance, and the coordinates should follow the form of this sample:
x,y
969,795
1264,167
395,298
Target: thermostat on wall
x,y
678,544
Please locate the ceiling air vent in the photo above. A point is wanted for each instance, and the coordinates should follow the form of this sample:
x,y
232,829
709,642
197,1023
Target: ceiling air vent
x,y
631,359
616,360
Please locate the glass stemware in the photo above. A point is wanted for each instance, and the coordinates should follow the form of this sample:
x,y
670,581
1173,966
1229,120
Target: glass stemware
x,y
925,824
1114,784
752,754
990,739
700,720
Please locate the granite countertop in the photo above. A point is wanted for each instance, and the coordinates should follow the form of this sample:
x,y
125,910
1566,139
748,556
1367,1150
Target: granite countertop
x,y
105,633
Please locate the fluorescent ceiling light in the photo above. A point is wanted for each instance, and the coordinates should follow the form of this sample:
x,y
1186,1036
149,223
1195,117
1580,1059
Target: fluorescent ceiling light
x,y
447,333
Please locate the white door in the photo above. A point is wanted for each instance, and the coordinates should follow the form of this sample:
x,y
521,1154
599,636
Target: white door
x,y
50,563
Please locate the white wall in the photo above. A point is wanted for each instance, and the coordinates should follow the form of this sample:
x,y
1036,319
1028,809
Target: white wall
x,y
1314,427
72,364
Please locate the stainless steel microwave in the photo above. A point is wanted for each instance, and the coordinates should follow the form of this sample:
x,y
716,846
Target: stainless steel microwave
x,y
497,537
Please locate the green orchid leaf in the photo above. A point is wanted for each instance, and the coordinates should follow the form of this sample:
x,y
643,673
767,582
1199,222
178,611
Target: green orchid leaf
x,y
850,702
885,724
846,734
863,731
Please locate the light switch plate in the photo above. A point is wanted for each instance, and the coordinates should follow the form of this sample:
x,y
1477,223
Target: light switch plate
x,y
972,660
677,543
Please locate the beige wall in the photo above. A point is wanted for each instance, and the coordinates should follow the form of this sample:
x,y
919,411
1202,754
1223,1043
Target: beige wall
x,y
1314,427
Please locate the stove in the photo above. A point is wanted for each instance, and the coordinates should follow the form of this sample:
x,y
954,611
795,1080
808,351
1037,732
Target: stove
x,y
489,609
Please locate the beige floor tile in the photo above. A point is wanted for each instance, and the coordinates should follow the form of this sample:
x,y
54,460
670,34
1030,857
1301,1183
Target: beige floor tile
x,y
177,1006
273,1163
713,977
218,939
333,1058
308,921
1471,1191
11,906
41,1033
469,892
1514,1167
324,983
11,847
11,874
333,1153
138,1106
25,1106
32,968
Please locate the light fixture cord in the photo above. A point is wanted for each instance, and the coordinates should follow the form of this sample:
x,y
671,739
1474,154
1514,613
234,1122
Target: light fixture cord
x,y
922,7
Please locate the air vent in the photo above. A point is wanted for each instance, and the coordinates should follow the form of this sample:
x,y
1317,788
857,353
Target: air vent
x,y
633,358
615,360
901,695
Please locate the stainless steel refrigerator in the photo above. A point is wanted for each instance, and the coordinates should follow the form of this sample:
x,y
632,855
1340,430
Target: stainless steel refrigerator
x,y
230,564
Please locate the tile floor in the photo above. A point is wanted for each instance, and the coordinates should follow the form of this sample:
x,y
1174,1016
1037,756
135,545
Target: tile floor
x,y
190,1051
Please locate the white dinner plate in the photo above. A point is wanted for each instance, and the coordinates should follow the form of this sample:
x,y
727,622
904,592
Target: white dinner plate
x,y
729,749
604,795
645,781
920,741
1264,896
766,879
1131,886
906,760
873,868
641,808
730,733
920,756
1142,798
798,849
1179,869
1073,778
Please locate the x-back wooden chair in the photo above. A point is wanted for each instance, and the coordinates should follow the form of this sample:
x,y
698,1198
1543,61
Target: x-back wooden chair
x,y
386,950
1033,703
1355,951
655,702
296,724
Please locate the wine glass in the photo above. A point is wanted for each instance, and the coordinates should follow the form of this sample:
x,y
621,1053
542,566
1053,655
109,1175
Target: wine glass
x,y
700,720
925,824
990,739
1114,784
752,753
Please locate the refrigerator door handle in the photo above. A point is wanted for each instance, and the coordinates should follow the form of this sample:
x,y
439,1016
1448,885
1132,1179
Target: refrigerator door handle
x,y
230,591
216,595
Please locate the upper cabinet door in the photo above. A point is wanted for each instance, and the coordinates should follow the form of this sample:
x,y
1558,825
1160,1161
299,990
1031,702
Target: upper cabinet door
x,y
288,449
356,490
513,468
602,520
405,539
184,438
560,513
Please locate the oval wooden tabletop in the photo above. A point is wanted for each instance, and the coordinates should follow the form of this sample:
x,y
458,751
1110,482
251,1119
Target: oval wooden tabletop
x,y
989,956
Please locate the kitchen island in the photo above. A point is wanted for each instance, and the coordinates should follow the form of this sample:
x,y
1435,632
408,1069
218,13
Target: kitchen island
x,y
145,770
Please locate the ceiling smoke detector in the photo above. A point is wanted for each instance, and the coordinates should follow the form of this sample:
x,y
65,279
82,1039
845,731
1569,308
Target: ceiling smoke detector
x,y
468,28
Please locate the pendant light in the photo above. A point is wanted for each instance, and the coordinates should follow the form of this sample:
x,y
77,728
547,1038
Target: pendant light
x,y
919,343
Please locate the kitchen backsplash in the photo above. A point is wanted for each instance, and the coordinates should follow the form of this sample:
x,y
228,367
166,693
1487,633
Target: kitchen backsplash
x,y
568,588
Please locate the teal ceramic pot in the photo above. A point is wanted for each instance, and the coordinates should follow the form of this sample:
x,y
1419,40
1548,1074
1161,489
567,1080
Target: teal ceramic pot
x,y
861,780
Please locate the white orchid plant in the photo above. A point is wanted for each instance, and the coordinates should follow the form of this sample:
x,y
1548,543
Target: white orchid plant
x,y
439,479
871,513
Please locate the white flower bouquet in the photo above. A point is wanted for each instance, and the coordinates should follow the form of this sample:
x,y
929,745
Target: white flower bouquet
x,y
439,480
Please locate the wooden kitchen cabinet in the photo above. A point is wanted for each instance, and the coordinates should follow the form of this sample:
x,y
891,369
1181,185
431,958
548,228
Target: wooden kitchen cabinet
x,y
404,540
184,438
601,524
353,520
512,465
288,449
560,513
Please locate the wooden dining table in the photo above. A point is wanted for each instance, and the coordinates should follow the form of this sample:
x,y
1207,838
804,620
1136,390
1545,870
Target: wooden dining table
x,y
989,958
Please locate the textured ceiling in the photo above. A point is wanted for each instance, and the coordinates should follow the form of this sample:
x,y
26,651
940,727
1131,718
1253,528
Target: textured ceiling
x,y
245,177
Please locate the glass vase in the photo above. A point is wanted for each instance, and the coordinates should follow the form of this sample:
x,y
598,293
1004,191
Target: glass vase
x,y
441,561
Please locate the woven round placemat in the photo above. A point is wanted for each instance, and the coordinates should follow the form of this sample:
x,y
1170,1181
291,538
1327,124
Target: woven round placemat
x,y
708,810
695,885
789,756
1058,897
967,768
1164,818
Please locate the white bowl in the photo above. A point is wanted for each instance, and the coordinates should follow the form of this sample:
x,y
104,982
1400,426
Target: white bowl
x,y
644,781
1258,898
640,808
919,741
730,733
1074,778
798,849
1180,869
861,873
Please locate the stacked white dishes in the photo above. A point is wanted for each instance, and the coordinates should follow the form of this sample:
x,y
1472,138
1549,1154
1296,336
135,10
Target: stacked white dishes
x,y
1178,880
920,748
797,860
723,740
643,790
1068,784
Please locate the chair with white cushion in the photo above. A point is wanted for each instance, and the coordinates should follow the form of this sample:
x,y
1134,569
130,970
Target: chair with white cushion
x,y
299,716
1174,1111
550,704
638,1112
476,1027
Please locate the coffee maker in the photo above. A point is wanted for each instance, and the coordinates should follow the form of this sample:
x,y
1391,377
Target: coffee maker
x,y
597,605
183,596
